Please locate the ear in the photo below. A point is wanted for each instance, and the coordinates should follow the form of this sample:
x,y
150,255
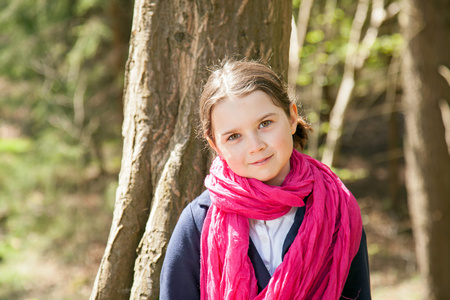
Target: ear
x,y
293,117
211,144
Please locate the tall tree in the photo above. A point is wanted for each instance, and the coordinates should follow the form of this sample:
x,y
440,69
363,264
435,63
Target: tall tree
x,y
426,28
163,164
357,53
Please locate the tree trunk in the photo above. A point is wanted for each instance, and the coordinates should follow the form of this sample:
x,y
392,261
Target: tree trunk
x,y
317,90
427,157
395,153
356,55
346,88
298,39
163,164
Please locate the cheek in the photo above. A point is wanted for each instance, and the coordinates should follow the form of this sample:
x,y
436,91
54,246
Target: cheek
x,y
234,157
284,142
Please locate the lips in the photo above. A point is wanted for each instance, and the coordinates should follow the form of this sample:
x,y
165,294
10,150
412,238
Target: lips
x,y
261,161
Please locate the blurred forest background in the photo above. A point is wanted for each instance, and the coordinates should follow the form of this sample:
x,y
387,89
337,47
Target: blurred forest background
x,y
61,82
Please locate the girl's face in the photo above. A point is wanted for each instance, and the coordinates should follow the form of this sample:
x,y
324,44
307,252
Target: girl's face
x,y
254,136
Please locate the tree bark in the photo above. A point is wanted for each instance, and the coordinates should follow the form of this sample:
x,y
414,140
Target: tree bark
x,y
426,29
163,164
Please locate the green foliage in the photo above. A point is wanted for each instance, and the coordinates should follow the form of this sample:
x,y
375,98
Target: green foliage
x,y
62,51
46,207
324,51
315,36
61,73
384,48
15,146
351,175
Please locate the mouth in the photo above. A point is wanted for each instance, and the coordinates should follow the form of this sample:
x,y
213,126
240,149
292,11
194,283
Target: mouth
x,y
261,161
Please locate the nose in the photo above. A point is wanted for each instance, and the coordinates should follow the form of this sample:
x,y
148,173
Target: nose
x,y
256,143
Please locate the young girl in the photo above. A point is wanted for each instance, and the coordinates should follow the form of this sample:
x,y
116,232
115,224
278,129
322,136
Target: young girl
x,y
273,223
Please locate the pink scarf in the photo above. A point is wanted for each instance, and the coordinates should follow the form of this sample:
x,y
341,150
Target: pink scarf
x,y
318,261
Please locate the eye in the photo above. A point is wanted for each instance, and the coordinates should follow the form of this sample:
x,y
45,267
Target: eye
x,y
265,123
233,137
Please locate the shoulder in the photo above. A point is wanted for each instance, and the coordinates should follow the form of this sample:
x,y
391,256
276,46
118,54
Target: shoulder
x,y
203,201
184,244
189,226
180,273
196,211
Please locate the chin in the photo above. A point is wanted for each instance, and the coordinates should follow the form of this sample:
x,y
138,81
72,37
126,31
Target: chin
x,y
271,181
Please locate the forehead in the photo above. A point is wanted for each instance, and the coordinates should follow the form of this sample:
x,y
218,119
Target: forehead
x,y
237,112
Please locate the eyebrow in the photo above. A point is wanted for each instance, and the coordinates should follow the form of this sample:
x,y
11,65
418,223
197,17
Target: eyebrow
x,y
270,114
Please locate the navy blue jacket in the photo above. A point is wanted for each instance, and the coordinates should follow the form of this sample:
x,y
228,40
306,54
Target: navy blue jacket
x,y
180,274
